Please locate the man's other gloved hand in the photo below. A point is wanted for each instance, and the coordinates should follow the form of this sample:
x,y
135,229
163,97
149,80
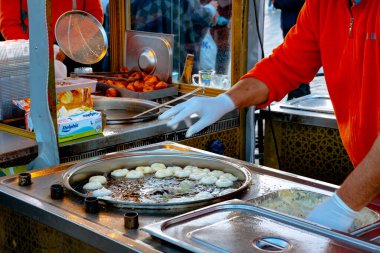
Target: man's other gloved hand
x,y
209,111
333,213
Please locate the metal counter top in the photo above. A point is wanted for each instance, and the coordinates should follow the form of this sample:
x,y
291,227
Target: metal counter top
x,y
16,147
68,215
279,113
16,150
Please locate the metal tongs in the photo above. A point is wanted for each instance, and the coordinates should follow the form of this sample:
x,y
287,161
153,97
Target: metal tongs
x,y
171,101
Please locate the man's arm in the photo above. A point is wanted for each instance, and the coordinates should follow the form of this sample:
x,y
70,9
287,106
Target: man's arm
x,y
248,92
363,184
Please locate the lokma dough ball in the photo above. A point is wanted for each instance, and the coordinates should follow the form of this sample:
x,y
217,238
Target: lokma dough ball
x,y
229,176
205,170
208,180
145,169
134,174
196,170
226,191
173,169
119,173
197,176
189,167
216,173
203,195
182,173
163,173
157,166
92,186
100,179
101,192
185,186
223,182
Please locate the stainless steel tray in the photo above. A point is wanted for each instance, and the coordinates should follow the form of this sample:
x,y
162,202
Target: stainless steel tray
x,y
107,163
313,103
148,95
122,110
299,203
151,53
236,226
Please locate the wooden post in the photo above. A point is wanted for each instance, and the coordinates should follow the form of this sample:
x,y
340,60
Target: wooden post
x,y
239,56
118,26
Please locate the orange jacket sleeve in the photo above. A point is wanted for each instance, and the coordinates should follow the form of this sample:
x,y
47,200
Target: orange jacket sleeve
x,y
94,7
295,61
10,20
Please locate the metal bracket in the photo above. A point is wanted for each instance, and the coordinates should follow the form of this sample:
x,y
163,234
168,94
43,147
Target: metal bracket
x,y
42,83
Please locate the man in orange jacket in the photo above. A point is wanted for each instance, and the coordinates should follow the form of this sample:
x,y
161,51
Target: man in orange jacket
x,y
344,37
14,15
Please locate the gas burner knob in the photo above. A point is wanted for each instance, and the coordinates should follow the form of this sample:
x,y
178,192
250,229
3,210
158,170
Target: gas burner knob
x,y
56,191
91,205
24,179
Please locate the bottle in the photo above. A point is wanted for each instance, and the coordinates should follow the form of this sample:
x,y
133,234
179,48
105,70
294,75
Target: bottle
x,y
188,69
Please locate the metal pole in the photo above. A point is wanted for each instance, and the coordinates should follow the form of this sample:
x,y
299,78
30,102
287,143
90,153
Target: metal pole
x,y
42,83
253,56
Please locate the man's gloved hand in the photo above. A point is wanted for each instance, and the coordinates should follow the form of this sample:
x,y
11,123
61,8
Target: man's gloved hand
x,y
333,213
209,110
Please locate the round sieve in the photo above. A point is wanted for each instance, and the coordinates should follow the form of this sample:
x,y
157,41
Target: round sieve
x,y
81,36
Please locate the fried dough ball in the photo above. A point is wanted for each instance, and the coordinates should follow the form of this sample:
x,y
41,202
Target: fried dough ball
x,y
157,166
208,180
145,169
223,182
229,176
132,174
138,85
161,85
130,86
101,192
163,173
203,195
216,173
174,168
148,88
119,173
100,179
92,186
197,176
182,173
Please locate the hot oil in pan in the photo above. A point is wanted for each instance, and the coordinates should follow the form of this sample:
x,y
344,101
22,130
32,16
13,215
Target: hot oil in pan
x,y
150,189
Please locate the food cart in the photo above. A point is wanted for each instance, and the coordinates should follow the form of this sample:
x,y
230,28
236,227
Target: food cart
x,y
37,218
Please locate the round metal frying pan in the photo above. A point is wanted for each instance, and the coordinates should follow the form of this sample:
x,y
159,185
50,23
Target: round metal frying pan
x,y
123,110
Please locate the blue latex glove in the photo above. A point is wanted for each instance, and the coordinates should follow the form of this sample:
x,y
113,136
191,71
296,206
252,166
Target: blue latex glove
x,y
221,21
333,213
208,109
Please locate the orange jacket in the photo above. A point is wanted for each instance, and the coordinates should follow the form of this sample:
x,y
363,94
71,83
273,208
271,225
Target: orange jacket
x,y
351,63
11,22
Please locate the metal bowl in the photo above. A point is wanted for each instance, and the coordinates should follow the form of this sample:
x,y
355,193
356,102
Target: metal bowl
x,y
121,110
76,174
